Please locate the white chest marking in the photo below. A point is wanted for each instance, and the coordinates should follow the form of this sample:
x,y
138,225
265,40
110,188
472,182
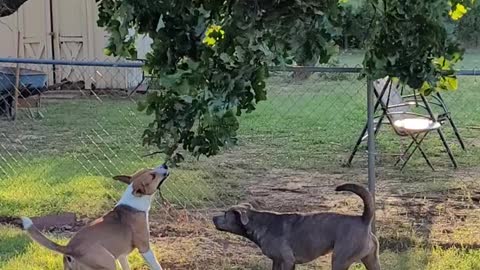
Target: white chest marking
x,y
140,203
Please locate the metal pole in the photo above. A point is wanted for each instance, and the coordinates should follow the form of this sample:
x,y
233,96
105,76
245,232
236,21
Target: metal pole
x,y
371,144
71,63
17,83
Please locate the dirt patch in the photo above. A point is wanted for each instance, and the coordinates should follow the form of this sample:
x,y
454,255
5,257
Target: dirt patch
x,y
188,240
406,216
64,222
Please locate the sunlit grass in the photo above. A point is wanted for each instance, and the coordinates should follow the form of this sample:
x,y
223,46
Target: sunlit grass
x,y
65,161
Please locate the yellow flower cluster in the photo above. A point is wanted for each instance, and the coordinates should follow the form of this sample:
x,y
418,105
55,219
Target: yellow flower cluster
x,y
213,34
449,83
459,10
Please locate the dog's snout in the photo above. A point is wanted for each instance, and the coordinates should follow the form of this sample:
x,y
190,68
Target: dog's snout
x,y
162,170
216,221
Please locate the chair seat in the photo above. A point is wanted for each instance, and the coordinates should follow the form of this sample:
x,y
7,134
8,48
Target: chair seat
x,y
415,125
397,110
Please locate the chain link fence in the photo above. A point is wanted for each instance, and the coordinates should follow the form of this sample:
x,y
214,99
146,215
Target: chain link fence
x,y
75,125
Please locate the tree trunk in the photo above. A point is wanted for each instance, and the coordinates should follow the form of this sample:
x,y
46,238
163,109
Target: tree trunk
x,y
301,75
477,23
345,42
8,7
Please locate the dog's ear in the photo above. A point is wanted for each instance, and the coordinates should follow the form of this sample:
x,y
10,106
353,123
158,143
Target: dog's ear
x,y
138,188
243,213
123,178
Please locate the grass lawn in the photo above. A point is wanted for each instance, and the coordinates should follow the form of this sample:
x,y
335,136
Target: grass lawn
x,y
73,158
64,162
317,122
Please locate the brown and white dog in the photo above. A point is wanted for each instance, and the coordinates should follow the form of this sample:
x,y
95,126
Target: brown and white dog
x,y
116,234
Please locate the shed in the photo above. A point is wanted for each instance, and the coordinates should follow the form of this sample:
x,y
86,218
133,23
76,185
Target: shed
x,y
64,30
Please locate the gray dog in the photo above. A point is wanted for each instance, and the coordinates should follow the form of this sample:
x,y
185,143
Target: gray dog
x,y
296,238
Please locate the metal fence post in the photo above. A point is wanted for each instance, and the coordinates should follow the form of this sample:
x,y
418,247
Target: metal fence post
x,y
371,144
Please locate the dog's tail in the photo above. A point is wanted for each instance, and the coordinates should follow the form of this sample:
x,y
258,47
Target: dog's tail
x,y
368,205
37,236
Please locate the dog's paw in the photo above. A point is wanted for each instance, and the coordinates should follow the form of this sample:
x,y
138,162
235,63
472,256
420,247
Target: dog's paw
x,y
26,223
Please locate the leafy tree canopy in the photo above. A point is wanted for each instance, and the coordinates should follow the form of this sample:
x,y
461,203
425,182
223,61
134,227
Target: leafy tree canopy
x,y
211,57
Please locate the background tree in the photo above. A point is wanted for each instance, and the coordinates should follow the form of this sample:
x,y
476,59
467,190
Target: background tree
x,y
468,31
211,57
358,14
356,18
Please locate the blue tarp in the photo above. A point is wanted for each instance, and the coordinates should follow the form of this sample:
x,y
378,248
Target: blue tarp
x,y
32,82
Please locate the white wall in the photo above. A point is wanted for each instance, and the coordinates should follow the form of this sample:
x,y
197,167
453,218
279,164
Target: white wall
x,y
143,45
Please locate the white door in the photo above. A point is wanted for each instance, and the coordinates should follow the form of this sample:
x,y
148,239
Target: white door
x,y
71,37
34,25
8,34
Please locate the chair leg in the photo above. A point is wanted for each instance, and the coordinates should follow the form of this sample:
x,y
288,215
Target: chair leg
x,y
357,144
423,152
450,120
445,144
457,134
404,154
360,139
417,143
379,124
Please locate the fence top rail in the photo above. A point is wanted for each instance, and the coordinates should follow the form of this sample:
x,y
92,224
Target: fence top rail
x,y
469,72
318,69
140,64
134,64
460,72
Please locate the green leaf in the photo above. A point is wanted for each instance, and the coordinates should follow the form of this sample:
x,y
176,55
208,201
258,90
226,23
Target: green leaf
x,y
448,83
